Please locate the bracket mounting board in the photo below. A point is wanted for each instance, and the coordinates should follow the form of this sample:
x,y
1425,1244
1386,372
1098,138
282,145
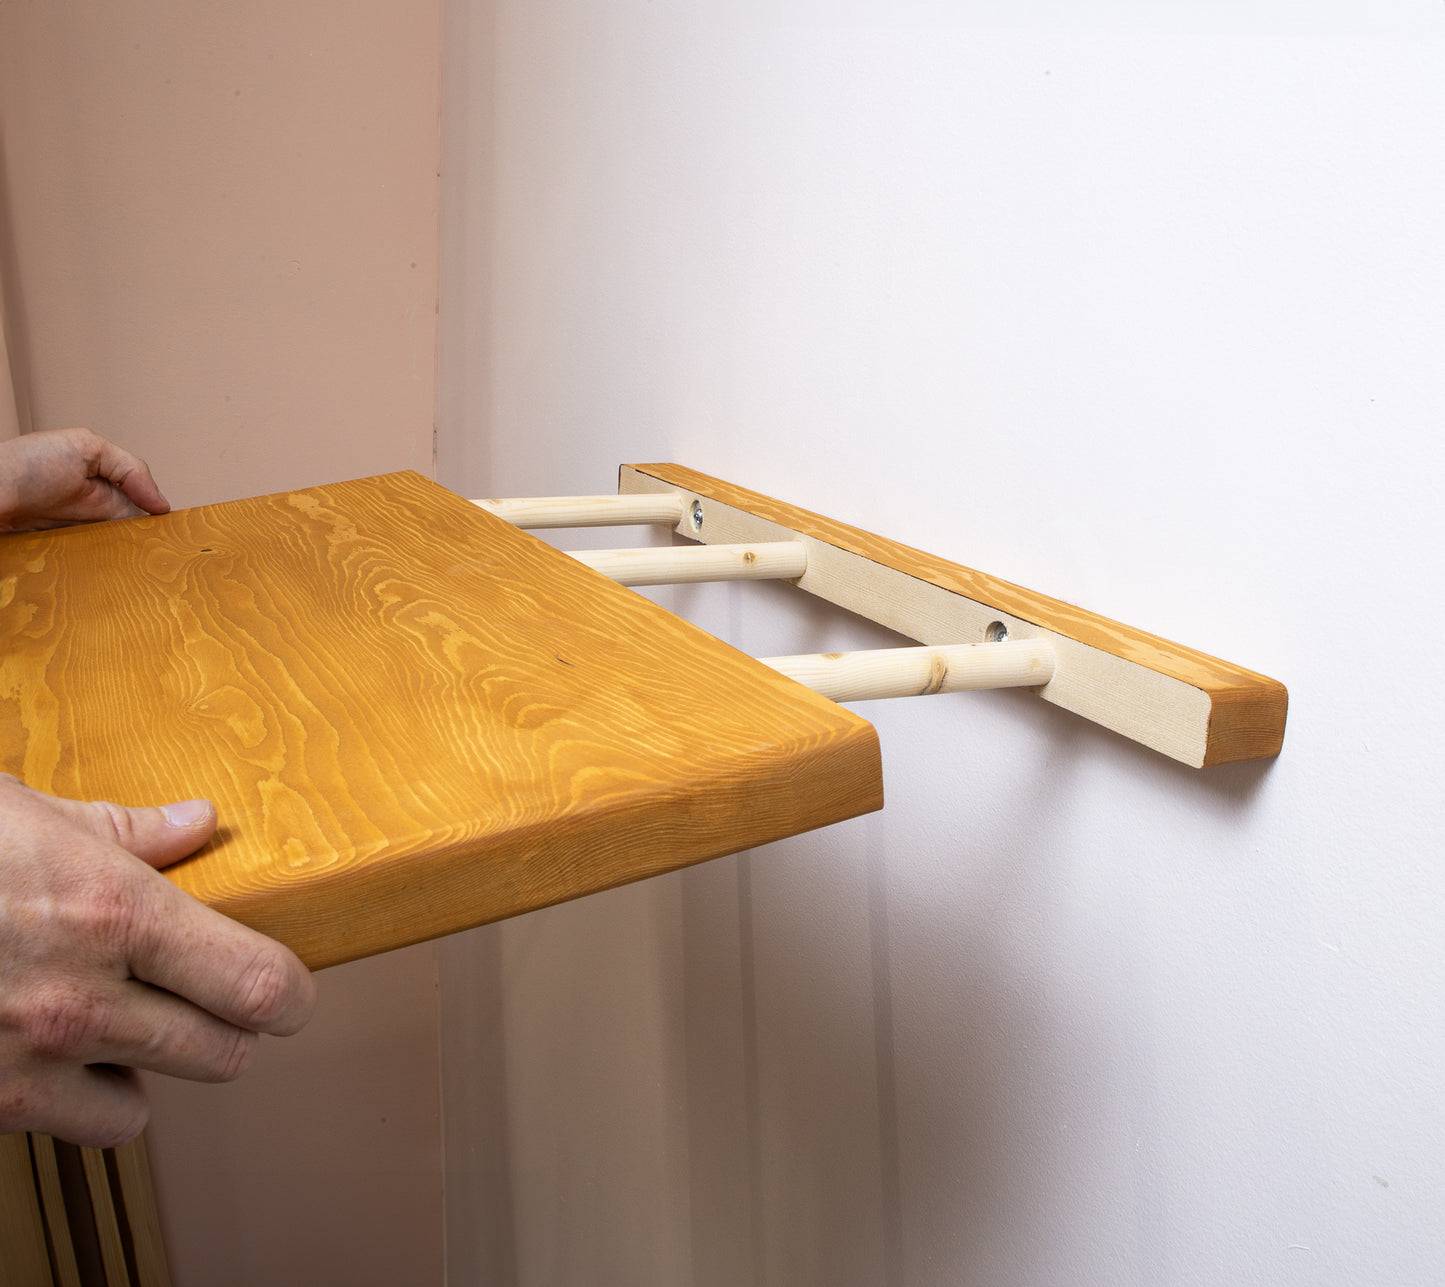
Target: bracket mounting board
x,y
1176,700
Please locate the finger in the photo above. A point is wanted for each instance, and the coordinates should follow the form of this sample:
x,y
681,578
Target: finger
x,y
99,1107
129,473
164,1034
99,502
226,968
160,835
171,940
134,1025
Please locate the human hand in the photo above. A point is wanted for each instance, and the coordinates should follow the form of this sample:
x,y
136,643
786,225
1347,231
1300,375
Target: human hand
x,y
65,476
106,967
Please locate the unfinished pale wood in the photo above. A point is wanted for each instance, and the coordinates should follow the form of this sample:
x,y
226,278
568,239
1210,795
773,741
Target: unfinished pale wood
x,y
52,1201
413,717
1196,708
919,672
684,564
537,512
107,1228
142,1218
23,1259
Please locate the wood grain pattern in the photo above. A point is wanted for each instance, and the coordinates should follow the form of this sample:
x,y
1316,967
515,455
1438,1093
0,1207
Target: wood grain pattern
x,y
23,1258
1190,705
52,1201
413,717
107,1223
133,1170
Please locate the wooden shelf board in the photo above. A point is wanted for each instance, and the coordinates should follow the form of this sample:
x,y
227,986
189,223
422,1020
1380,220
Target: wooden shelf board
x,y
413,717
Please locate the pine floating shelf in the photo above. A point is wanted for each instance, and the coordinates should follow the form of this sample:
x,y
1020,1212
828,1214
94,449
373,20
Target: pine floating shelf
x,y
412,717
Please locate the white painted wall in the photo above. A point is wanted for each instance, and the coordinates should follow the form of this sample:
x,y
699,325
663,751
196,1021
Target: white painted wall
x,y
1141,305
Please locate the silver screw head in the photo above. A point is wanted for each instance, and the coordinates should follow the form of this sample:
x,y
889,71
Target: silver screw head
x,y
996,633
696,516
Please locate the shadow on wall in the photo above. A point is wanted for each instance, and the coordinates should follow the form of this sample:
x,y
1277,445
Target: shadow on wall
x,y
481,1227
856,1079
14,347
916,1018
907,1031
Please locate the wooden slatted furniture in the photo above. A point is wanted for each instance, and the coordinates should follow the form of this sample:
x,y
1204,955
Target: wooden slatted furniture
x,y
74,1216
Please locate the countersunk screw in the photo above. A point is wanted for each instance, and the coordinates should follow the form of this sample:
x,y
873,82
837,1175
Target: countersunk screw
x,y
697,516
996,633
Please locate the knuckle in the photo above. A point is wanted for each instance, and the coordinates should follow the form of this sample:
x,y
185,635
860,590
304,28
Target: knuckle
x,y
114,821
120,1126
237,1057
62,1023
18,1106
109,914
268,989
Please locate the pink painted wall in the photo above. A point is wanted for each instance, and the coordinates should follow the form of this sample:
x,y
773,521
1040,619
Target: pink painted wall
x,y
219,232
218,246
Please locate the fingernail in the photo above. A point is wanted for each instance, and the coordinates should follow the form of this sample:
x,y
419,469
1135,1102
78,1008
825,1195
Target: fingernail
x,y
187,813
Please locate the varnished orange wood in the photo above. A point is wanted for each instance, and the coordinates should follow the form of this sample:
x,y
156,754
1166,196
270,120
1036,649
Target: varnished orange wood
x,y
413,717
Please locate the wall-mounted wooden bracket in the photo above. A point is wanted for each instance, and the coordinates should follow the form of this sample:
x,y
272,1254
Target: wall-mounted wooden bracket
x,y
1186,704
980,631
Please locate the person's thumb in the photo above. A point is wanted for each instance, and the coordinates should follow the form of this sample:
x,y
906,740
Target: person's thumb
x,y
160,834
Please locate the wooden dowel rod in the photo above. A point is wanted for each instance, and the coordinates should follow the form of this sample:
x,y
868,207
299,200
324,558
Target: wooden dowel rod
x,y
586,511
915,672
761,561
